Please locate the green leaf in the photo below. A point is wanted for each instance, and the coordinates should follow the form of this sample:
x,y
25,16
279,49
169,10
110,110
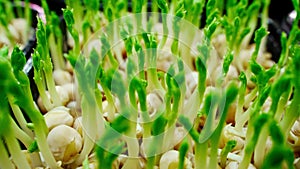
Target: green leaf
x,y
18,59
276,134
255,67
283,42
163,5
276,156
296,66
139,6
68,16
189,127
227,61
121,123
158,126
259,35
33,147
225,151
243,79
4,52
210,29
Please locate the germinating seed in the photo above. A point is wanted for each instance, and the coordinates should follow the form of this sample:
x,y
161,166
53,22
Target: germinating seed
x,y
65,143
58,116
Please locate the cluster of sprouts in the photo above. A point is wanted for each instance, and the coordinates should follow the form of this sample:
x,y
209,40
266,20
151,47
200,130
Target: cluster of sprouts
x,y
148,85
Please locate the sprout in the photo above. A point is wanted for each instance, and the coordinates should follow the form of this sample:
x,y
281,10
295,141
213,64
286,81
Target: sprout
x,y
23,99
132,100
182,153
228,147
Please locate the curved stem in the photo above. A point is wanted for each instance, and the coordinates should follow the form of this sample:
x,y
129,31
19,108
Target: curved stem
x,y
5,162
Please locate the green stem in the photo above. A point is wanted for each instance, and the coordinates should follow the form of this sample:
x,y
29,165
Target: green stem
x,y
5,162
20,117
91,123
201,155
291,115
42,91
110,100
56,52
14,148
21,135
260,149
214,147
40,128
52,90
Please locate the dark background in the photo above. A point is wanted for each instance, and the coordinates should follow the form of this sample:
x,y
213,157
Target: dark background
x,y
278,9
278,12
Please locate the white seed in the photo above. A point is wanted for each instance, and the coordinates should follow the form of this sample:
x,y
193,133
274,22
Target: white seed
x,y
61,77
231,74
297,163
69,67
75,110
105,106
170,159
41,105
191,83
139,130
63,95
227,135
296,128
93,44
70,89
92,165
14,32
218,42
57,116
179,134
19,24
78,125
235,165
267,105
71,42
231,113
154,103
65,143
232,165
265,60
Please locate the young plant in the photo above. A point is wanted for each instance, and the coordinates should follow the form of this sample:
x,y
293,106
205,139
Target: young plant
x,y
16,89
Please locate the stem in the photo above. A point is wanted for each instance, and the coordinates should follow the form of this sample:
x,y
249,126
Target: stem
x,y
42,91
20,117
291,115
214,147
260,149
40,128
52,90
28,16
110,100
56,52
20,134
201,155
264,23
92,127
281,106
14,148
132,145
5,162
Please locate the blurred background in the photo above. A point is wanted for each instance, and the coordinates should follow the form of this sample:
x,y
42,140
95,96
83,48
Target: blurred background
x,y
278,13
278,9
